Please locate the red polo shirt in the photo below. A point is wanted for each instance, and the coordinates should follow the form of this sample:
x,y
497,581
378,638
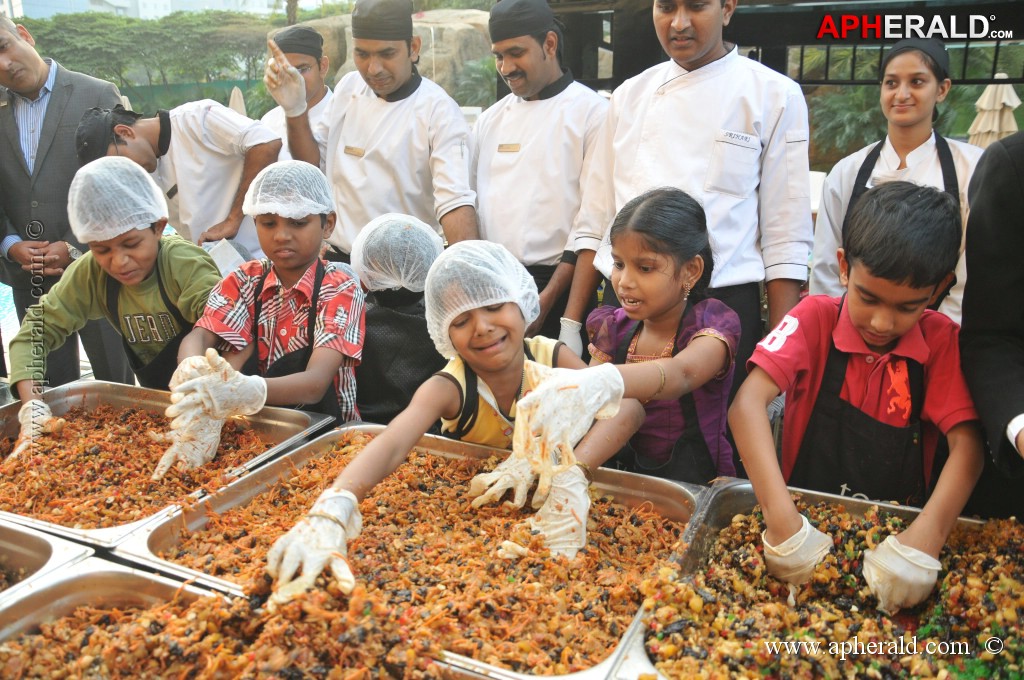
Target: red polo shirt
x,y
794,355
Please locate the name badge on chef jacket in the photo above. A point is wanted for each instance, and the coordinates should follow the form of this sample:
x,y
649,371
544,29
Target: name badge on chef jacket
x,y
508,148
355,151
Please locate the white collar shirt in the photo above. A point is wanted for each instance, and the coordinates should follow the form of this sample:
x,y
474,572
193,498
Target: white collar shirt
x,y
734,135
205,158
408,156
923,168
278,122
528,159
29,114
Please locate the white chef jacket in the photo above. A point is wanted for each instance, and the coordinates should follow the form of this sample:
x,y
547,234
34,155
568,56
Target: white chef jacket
x,y
408,156
528,165
278,122
734,135
205,159
922,168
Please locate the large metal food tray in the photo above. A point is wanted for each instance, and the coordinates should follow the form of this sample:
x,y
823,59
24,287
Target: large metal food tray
x,y
727,498
93,582
676,501
282,428
34,555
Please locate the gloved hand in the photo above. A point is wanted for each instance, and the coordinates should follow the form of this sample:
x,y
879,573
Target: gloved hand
x,y
515,472
569,333
563,518
193,439
898,575
319,540
191,367
794,559
284,82
35,419
222,393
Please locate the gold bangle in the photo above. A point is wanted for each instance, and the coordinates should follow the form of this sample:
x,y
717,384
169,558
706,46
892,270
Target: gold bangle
x,y
660,387
587,471
332,518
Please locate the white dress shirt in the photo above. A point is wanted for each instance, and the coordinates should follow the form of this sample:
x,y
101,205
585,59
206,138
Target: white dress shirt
x,y
534,150
922,168
408,156
278,122
205,159
734,135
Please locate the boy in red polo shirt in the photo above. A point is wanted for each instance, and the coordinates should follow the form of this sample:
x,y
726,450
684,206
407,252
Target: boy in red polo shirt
x,y
872,379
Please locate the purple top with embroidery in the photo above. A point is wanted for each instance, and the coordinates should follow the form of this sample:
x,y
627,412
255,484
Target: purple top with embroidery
x,y
608,328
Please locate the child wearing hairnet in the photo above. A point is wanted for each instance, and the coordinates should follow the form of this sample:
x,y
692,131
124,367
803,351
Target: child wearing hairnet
x,y
479,301
151,287
291,325
391,256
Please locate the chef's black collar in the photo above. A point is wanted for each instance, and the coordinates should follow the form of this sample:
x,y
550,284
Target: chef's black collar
x,y
407,88
164,142
556,88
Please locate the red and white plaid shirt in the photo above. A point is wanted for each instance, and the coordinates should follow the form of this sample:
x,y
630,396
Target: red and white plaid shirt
x,y
340,319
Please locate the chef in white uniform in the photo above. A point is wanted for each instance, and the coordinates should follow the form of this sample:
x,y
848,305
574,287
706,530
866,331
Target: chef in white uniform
x,y
392,140
533,143
730,132
201,154
915,78
304,48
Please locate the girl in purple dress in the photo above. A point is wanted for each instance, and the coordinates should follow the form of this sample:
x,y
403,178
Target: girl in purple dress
x,y
673,346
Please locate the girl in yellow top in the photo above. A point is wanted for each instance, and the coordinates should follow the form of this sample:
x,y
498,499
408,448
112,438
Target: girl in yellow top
x,y
479,301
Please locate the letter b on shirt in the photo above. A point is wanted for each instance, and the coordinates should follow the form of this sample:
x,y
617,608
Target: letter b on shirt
x,y
774,341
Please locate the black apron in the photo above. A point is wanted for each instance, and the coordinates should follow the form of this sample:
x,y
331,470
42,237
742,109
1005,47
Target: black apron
x,y
845,451
296,361
471,403
690,460
157,373
949,181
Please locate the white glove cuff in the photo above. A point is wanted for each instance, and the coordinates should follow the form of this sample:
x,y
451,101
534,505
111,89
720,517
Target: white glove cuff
x,y
791,544
612,379
567,324
342,505
914,556
295,111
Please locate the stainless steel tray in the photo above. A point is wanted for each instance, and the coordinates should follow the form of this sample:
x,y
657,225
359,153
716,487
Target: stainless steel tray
x,y
282,428
726,498
677,501
34,554
93,582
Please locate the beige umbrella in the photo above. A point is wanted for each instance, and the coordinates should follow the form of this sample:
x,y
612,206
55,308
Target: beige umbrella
x,y
125,103
236,101
995,114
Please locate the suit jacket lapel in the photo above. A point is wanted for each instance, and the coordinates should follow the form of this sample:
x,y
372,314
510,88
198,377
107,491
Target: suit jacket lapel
x,y
10,126
59,98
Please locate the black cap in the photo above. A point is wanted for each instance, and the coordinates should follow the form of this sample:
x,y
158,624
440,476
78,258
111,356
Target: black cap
x,y
382,20
933,47
514,18
300,40
96,131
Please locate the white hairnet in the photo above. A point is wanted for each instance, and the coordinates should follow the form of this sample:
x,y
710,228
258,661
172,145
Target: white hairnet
x,y
112,196
395,251
472,274
292,189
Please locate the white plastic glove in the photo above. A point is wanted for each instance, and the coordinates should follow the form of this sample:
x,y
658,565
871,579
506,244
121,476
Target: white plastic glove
x,y
563,518
191,367
515,472
793,560
318,541
35,419
193,439
569,333
284,82
898,575
222,393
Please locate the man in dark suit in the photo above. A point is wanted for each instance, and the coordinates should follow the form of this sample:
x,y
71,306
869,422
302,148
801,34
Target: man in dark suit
x,y
40,106
992,335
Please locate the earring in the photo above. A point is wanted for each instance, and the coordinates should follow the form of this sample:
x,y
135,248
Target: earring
x,y
686,291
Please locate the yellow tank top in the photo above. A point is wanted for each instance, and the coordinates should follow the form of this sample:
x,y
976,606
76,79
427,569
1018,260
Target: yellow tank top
x,y
490,427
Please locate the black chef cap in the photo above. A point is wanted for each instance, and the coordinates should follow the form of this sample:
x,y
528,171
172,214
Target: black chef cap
x,y
514,18
300,40
382,20
96,131
933,47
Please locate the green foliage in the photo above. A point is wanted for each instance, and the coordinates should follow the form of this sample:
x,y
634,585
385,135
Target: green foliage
x,y
845,118
477,84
